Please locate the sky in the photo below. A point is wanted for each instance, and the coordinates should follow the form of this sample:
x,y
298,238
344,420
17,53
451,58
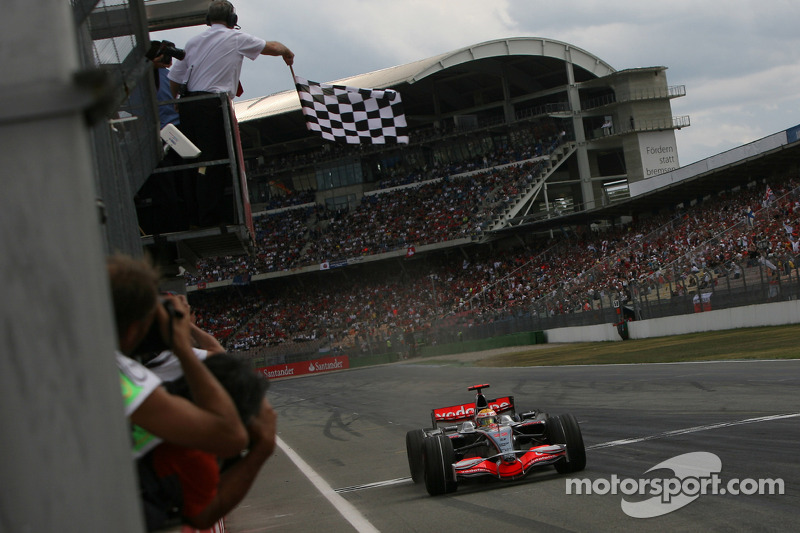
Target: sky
x,y
739,60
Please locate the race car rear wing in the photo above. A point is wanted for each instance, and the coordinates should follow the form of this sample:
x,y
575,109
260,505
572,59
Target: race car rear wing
x,y
465,411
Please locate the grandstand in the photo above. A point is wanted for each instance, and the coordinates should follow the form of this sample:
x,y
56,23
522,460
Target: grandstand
x,y
655,265
538,105
472,102
513,208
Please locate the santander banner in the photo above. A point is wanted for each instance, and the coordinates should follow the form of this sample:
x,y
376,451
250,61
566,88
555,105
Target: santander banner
x,y
326,364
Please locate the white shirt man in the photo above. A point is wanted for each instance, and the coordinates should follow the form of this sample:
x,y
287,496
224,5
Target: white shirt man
x,y
213,61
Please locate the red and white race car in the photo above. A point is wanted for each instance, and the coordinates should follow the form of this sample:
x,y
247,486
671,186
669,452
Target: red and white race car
x,y
489,438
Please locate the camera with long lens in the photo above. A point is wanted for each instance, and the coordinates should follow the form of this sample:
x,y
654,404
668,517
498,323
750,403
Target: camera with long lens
x,y
168,49
154,343
165,49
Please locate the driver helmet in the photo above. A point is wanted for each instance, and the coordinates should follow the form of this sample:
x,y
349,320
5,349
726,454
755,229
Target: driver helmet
x,y
485,418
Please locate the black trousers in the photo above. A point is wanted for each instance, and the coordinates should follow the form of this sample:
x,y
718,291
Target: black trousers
x,y
163,201
202,122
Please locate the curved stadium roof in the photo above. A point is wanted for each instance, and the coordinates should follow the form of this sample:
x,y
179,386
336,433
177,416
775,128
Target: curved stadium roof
x,y
529,63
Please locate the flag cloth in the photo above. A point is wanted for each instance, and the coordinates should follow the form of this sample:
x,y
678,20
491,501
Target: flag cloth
x,y
351,115
769,195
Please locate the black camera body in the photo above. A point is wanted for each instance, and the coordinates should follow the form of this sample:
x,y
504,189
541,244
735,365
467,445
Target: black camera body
x,y
154,343
167,49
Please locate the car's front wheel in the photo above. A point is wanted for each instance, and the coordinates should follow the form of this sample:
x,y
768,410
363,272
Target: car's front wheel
x,y
564,429
439,457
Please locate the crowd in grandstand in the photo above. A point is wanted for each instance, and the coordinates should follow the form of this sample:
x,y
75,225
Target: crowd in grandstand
x,y
684,250
443,207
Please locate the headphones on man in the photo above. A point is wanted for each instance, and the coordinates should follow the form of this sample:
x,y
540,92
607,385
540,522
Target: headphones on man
x,y
222,11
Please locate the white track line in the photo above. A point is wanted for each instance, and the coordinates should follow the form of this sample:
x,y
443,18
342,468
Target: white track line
x,y
347,510
375,485
694,429
713,362
611,444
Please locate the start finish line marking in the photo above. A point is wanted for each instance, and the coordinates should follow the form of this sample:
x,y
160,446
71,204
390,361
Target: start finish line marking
x,y
345,508
611,444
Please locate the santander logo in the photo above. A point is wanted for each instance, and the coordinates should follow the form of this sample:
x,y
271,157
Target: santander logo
x,y
306,367
278,372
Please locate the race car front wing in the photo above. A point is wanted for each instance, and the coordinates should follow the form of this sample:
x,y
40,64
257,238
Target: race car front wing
x,y
509,465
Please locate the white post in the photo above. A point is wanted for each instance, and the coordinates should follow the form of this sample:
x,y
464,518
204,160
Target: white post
x,y
66,451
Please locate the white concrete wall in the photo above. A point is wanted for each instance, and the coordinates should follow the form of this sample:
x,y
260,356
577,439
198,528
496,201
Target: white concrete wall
x,y
751,316
775,314
599,332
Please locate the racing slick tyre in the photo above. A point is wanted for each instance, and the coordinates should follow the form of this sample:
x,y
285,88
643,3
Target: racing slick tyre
x,y
439,457
564,429
414,439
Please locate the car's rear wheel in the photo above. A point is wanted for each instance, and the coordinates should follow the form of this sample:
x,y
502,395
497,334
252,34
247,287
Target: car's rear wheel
x,y
414,439
439,457
564,429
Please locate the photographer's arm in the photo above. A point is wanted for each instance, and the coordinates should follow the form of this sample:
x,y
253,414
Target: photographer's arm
x,y
206,341
202,339
211,423
236,481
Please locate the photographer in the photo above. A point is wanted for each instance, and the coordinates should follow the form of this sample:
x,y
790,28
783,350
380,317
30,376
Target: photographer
x,y
212,65
209,424
179,484
166,200
153,354
161,54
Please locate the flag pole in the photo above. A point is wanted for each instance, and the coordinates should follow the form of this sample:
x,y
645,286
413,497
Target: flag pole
x,y
291,68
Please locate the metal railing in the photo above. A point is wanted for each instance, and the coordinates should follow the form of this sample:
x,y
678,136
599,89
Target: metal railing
x,y
654,93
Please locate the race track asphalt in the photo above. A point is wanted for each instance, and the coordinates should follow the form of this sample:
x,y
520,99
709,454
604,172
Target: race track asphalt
x,y
349,430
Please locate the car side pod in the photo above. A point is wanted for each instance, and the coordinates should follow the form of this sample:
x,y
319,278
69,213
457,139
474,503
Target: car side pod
x,y
564,429
438,458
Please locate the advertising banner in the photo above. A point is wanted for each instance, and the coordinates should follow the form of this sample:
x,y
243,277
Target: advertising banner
x,y
659,153
793,134
317,366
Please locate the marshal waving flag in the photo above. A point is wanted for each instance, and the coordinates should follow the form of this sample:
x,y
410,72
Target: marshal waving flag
x,y
350,115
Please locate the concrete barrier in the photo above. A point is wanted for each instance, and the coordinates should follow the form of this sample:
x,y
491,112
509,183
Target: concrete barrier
x,y
598,332
750,316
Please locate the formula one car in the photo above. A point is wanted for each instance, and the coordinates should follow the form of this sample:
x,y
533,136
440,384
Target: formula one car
x,y
488,438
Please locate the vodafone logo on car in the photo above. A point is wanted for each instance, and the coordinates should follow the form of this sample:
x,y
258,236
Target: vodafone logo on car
x,y
468,409
500,406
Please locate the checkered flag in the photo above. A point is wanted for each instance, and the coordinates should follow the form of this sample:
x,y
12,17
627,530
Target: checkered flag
x,y
354,116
